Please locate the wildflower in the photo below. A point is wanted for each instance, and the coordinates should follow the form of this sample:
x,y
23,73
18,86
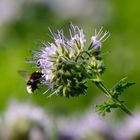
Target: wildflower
x,y
67,64
98,39
26,120
88,126
129,129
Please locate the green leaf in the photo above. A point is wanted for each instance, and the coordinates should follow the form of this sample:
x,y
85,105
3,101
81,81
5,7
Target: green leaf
x,y
106,107
120,87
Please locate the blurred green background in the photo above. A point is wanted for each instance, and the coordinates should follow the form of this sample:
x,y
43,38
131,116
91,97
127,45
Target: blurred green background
x,y
24,24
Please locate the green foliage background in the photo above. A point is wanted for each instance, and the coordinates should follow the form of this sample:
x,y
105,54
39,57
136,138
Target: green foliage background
x,y
22,34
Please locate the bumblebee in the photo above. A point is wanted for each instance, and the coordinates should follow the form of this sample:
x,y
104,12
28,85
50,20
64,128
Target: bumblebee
x,y
34,79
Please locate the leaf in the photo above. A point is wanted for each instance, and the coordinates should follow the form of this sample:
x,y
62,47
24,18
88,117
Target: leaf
x,y
120,87
106,107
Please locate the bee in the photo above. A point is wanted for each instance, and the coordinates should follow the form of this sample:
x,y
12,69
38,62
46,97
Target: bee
x,y
34,79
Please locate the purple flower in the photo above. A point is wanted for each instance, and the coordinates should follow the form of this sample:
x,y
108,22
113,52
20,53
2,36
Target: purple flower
x,y
66,63
98,39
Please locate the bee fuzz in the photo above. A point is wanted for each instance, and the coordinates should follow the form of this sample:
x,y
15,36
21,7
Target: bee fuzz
x,y
29,89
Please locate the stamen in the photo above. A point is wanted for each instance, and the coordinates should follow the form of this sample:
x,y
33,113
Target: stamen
x,y
95,32
45,45
100,32
46,91
107,36
51,94
50,30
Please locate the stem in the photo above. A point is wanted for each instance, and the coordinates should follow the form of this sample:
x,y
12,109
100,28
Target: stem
x,y
101,86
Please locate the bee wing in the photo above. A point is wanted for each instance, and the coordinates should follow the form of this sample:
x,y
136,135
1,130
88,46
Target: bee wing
x,y
25,74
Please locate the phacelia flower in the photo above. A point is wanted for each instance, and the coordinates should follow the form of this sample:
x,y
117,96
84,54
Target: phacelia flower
x,y
98,39
67,63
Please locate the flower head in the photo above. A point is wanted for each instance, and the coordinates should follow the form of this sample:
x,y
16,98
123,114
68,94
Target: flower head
x,y
67,64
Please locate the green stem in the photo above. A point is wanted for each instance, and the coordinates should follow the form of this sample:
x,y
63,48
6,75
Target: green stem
x,y
101,86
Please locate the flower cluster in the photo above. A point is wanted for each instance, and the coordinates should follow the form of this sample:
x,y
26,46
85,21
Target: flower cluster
x,y
68,63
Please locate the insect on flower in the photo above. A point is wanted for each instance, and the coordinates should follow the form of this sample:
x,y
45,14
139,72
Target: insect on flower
x,y
66,63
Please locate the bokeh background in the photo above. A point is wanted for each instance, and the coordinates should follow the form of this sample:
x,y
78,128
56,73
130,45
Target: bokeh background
x,y
24,24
